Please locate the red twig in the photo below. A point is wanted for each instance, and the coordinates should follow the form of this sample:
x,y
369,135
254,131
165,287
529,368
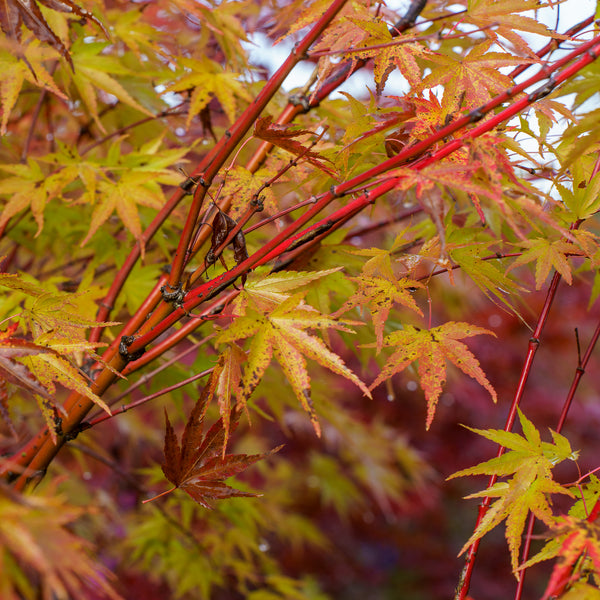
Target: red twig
x,y
534,342
233,137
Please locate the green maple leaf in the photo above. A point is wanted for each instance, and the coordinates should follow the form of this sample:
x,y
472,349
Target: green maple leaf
x,y
530,462
128,181
281,333
470,247
431,348
142,38
266,293
584,200
206,79
95,71
546,254
28,187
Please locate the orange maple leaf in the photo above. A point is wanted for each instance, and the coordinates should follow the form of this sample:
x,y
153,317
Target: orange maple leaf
x,y
380,294
431,348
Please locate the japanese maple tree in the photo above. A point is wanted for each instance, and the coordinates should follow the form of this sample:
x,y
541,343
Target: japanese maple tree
x,y
311,303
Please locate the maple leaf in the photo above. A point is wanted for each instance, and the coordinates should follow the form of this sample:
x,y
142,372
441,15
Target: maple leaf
x,y
429,115
37,534
28,187
130,180
224,24
50,368
266,293
280,332
365,130
206,79
130,29
569,539
547,254
470,247
282,135
15,72
530,462
479,171
572,539
93,72
16,372
294,21
241,185
39,364
380,261
472,78
51,312
499,19
124,198
431,347
199,465
228,374
380,294
584,199
15,12
389,53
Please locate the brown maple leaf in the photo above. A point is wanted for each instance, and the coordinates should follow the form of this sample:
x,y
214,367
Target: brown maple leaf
x,y
15,12
199,466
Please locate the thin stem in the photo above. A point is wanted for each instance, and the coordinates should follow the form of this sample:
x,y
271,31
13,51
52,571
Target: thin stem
x,y
579,372
105,417
234,136
534,342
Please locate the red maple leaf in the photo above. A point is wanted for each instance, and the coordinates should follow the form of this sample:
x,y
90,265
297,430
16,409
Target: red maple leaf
x,y
199,466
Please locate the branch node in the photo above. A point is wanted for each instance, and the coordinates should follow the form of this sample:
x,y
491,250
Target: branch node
x,y
475,115
258,203
299,100
126,341
188,185
542,91
176,296
334,193
302,56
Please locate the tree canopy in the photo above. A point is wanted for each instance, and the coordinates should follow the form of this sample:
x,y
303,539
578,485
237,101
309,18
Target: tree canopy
x,y
255,343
